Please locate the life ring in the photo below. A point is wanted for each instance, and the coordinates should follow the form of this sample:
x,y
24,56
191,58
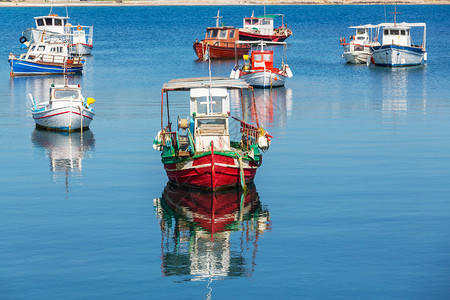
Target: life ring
x,y
79,27
23,39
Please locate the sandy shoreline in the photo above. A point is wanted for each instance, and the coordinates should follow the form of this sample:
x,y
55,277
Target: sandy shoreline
x,y
38,3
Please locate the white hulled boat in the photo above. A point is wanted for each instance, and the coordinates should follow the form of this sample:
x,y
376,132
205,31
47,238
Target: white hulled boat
x,y
258,70
358,49
79,38
66,110
397,48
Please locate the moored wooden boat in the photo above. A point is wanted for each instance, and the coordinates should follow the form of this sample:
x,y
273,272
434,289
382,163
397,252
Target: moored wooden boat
x,y
262,28
258,70
46,58
200,153
79,37
397,49
66,110
359,46
220,42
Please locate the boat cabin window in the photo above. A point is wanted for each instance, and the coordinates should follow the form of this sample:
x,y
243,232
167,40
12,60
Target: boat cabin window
x,y
65,94
216,105
214,33
394,32
40,22
360,38
41,48
212,124
257,57
232,34
32,48
48,21
248,21
267,57
265,21
58,22
386,32
360,31
222,34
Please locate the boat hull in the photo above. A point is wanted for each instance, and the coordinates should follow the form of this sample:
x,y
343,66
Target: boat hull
x,y
264,79
80,49
397,56
66,118
217,52
251,36
24,68
211,172
357,53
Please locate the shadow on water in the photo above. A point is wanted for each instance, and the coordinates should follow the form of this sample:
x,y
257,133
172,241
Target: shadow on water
x,y
210,236
66,151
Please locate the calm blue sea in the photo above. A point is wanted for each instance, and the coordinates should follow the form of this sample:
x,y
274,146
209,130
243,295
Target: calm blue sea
x,y
352,200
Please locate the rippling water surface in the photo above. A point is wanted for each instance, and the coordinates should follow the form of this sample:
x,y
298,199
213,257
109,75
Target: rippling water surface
x,y
352,199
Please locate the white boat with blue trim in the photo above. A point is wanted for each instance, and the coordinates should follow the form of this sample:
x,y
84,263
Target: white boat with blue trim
x,y
79,37
46,58
66,110
397,48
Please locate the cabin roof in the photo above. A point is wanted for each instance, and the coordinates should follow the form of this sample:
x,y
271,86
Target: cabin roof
x,y
271,16
184,84
365,26
51,16
404,24
221,27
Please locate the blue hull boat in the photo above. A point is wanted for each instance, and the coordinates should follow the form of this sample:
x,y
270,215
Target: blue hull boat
x,y
21,67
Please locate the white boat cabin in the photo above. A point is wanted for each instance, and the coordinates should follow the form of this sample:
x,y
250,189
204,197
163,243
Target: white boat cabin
x,y
49,52
397,36
64,93
210,108
52,22
364,34
400,34
263,25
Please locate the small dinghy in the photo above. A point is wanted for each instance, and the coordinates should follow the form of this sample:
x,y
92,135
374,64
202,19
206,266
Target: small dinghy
x,y
66,110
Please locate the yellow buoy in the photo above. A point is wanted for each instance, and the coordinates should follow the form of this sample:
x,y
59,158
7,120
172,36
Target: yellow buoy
x,y
90,101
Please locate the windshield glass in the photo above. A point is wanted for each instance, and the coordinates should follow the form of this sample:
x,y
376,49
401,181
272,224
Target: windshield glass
x,y
66,94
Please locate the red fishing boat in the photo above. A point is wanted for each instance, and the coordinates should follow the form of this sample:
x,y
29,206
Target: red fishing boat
x,y
219,42
262,28
199,152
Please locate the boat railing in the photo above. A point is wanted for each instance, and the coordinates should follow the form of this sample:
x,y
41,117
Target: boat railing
x,y
51,58
250,136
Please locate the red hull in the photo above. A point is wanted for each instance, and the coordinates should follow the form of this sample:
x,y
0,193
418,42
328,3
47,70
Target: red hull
x,y
219,51
204,173
246,36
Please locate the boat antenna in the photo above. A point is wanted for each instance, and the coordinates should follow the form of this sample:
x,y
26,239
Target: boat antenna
x,y
67,12
385,17
264,10
218,17
395,14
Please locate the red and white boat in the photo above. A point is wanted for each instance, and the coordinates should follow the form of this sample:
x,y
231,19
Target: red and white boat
x,y
199,152
220,42
258,70
262,28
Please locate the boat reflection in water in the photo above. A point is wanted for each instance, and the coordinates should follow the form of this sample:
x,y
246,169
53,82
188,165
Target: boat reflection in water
x,y
65,150
274,106
210,236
